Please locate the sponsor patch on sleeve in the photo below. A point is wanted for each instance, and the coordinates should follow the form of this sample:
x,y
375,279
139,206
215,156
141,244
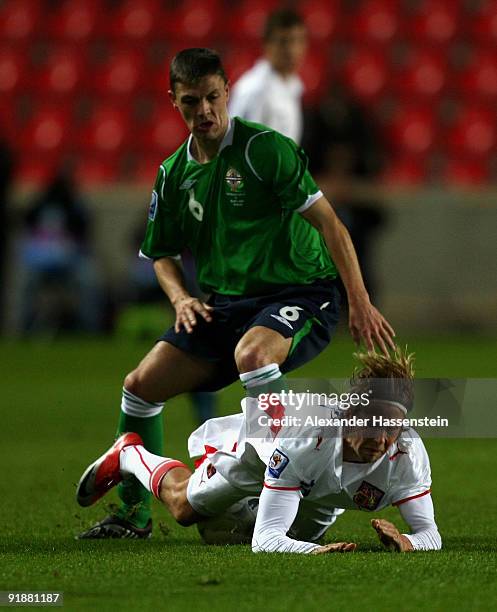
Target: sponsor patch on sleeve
x,y
152,211
277,463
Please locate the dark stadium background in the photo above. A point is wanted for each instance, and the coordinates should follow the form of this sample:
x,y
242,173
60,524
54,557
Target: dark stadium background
x,y
83,88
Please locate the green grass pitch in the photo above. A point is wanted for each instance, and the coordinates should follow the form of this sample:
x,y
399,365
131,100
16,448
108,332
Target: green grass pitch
x,y
59,409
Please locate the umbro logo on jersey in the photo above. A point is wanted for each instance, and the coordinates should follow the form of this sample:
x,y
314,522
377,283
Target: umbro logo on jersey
x,y
188,184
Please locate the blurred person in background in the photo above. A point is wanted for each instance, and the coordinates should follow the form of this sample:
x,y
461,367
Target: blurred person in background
x,y
271,91
345,153
60,292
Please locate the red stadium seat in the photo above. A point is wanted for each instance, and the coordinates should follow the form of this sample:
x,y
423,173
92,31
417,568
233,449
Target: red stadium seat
x,y
376,21
20,19
366,73
321,18
47,132
436,21
195,23
164,132
63,73
315,75
13,72
414,131
474,132
409,171
466,173
239,60
37,170
96,170
484,25
122,74
76,21
146,168
137,21
247,20
106,132
480,77
424,75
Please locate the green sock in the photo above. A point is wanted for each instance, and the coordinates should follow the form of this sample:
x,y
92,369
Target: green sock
x,y
135,499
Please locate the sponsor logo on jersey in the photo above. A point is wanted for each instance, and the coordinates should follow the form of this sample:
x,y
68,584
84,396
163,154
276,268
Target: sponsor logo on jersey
x,y
234,180
367,496
277,463
152,210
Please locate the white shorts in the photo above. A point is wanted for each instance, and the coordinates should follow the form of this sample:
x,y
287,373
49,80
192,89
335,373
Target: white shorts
x,y
210,493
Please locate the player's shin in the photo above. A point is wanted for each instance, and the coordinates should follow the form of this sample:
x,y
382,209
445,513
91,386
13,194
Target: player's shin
x,y
144,418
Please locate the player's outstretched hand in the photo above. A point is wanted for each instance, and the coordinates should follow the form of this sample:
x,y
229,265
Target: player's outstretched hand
x,y
187,309
368,324
335,547
390,536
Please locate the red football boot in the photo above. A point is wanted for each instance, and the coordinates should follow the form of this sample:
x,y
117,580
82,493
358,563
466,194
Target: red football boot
x,y
103,474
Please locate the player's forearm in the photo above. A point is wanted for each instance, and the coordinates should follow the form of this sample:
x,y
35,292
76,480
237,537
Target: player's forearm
x,y
428,539
276,513
170,279
342,251
339,243
419,514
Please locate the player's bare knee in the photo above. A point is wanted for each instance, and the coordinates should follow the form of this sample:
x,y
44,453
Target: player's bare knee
x,y
137,384
250,356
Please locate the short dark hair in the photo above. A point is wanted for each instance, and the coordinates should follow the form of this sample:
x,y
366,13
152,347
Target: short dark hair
x,y
190,65
281,19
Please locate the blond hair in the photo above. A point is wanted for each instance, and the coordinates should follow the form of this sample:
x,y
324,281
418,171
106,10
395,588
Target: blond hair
x,y
385,378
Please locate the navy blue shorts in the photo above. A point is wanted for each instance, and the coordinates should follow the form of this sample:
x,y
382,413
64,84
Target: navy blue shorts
x,y
306,313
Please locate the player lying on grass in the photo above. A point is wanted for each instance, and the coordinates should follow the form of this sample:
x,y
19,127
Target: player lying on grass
x,y
304,482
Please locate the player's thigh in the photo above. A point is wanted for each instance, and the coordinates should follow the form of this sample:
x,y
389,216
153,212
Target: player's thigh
x,y
209,493
167,371
260,346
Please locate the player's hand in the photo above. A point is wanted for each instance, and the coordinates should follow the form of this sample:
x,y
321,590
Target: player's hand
x,y
366,323
187,309
390,536
335,547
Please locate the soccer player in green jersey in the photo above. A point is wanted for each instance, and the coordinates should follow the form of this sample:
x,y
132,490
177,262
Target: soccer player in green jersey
x,y
267,246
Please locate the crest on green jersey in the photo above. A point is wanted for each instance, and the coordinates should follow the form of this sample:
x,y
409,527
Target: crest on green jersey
x,y
234,180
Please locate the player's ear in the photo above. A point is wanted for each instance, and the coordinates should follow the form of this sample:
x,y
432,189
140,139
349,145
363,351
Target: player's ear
x,y
227,89
172,97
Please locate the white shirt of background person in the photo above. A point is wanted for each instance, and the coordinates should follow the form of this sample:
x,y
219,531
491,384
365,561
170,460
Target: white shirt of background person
x,y
271,91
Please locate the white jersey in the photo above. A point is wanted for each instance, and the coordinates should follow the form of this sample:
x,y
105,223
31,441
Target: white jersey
x,y
314,466
264,96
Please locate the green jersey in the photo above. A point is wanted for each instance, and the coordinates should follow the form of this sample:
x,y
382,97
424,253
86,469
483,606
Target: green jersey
x,y
239,214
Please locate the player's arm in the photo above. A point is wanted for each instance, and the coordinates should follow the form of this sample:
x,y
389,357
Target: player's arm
x,y
277,511
419,514
365,321
170,277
